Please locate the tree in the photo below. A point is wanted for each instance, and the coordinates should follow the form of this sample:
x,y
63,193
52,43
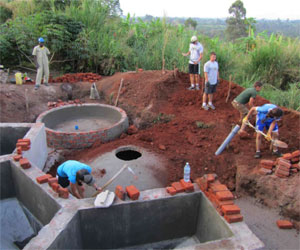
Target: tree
x,y
236,26
190,22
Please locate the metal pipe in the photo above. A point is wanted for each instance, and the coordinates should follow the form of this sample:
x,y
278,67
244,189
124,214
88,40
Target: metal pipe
x,y
228,139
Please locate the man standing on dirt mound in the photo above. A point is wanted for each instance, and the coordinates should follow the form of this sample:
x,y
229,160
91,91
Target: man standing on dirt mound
x,y
195,53
211,73
40,53
247,96
74,173
267,116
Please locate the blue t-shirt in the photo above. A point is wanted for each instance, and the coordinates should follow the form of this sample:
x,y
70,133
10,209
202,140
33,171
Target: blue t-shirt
x,y
211,68
263,110
69,169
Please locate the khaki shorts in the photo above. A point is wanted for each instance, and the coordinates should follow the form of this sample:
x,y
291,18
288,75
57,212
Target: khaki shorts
x,y
240,107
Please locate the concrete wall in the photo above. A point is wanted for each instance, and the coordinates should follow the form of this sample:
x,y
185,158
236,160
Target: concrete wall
x,y
33,197
210,225
7,188
9,135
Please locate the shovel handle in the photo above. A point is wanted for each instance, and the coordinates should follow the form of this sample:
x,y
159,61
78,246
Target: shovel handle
x,y
110,180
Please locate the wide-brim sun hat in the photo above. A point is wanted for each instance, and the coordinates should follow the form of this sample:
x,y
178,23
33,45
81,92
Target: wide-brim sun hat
x,y
194,39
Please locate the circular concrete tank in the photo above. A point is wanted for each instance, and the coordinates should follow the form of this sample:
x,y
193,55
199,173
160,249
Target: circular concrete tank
x,y
80,126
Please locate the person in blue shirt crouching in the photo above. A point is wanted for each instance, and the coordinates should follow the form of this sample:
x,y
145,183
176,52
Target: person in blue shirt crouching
x,y
74,174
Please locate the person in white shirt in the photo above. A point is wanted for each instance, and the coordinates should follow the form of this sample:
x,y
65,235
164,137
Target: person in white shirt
x,y
40,53
195,52
211,73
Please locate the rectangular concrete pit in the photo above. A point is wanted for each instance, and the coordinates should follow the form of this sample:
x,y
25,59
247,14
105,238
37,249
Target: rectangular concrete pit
x,y
171,222
36,208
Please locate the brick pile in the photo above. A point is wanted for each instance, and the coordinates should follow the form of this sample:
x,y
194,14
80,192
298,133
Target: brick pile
x,y
287,164
221,198
132,192
60,103
179,187
22,145
53,183
266,167
77,77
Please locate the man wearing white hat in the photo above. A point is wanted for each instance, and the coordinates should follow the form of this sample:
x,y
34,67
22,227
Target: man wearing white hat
x,y
40,53
195,53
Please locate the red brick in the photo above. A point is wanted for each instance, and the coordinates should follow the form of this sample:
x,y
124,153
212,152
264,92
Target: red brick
x,y
19,150
210,178
120,192
43,178
216,182
216,188
267,163
296,165
55,187
63,193
296,153
284,163
224,195
133,192
171,190
283,168
294,170
202,183
281,159
264,171
281,173
295,159
25,164
178,187
17,157
25,140
284,224
230,209
280,176
233,218
222,203
287,156
188,186
52,180
266,167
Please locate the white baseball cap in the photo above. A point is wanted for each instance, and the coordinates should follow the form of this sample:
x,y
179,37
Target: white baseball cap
x,y
194,39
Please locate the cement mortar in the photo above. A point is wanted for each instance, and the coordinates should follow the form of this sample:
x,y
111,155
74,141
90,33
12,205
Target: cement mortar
x,y
149,170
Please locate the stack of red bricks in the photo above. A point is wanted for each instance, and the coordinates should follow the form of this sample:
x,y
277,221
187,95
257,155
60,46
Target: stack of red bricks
x,y
266,167
181,186
60,103
53,183
288,164
22,145
221,198
132,192
77,77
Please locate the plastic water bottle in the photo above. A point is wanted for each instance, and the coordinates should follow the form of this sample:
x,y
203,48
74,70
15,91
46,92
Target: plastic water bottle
x,y
186,172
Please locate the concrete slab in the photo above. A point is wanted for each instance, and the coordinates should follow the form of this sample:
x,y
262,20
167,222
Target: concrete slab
x,y
149,169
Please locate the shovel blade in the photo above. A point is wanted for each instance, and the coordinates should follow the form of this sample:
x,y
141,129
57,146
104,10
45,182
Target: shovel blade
x,y
280,144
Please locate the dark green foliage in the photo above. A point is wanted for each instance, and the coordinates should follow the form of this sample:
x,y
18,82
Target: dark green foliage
x,y
5,14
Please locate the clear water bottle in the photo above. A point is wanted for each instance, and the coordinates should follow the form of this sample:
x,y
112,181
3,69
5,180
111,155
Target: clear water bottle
x,y
186,172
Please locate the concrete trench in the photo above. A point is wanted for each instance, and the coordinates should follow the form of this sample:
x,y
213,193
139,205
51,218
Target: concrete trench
x,y
156,220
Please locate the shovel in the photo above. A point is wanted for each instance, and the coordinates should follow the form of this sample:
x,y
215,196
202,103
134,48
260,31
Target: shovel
x,y
276,143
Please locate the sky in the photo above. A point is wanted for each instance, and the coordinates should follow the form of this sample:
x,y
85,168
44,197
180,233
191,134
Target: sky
x,y
258,9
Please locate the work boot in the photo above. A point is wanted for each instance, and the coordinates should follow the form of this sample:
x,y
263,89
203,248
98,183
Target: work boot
x,y
191,88
197,87
46,84
36,87
211,106
257,155
277,153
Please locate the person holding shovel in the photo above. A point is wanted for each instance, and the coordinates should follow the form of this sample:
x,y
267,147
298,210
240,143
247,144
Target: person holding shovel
x,y
195,52
40,53
74,174
267,116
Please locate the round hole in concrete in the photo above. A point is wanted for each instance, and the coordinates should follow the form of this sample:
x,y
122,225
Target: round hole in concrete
x,y
128,154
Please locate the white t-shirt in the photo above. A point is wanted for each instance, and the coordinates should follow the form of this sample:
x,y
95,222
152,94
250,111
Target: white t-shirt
x,y
196,50
211,68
